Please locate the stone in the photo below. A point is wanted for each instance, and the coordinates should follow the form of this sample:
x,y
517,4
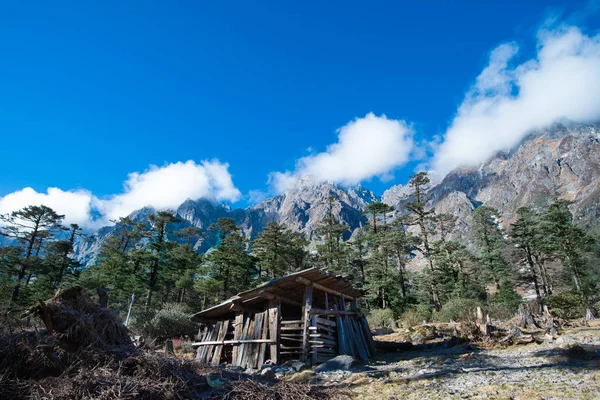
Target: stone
x,y
267,373
342,362
515,331
417,337
298,366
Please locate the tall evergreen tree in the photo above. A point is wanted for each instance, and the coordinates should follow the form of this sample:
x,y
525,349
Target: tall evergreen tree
x,y
29,226
159,229
232,266
452,260
570,244
492,243
278,250
332,251
527,235
423,218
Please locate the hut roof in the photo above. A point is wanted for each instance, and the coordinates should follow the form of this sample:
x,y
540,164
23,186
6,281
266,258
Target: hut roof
x,y
288,287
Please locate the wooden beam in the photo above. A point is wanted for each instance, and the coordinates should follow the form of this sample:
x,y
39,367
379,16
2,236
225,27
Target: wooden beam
x,y
308,292
320,311
273,296
221,342
322,288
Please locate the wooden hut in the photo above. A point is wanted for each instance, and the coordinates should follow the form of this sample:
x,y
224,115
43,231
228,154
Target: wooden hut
x,y
310,316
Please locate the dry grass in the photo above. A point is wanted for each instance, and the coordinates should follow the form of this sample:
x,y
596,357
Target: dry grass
x,y
86,353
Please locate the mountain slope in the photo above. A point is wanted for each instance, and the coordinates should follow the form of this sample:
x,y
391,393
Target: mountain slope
x,y
301,208
559,162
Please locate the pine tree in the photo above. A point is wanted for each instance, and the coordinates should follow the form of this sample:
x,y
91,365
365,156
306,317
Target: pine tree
x,y
159,230
332,252
570,244
278,250
492,243
526,234
452,260
30,226
231,264
358,254
423,218
377,209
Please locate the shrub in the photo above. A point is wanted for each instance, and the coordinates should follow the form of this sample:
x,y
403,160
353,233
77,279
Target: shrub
x,y
170,321
415,316
567,305
504,304
183,346
381,318
457,309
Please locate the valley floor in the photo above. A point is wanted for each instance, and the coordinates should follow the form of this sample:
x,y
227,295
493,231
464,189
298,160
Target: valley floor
x,y
566,368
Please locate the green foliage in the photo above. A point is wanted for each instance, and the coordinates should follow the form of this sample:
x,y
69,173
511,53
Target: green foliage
x,y
381,318
457,309
333,251
168,322
424,219
570,244
229,263
491,242
504,303
566,305
415,316
279,251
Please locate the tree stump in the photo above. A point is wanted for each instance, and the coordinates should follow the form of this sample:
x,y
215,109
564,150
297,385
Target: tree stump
x,y
103,296
169,348
589,314
482,325
526,317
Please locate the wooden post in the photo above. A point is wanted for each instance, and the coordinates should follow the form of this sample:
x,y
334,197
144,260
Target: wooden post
x,y
315,356
274,325
219,348
169,348
264,336
238,328
308,293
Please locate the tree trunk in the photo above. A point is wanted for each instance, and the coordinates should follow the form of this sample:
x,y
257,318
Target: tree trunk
x,y
534,276
526,317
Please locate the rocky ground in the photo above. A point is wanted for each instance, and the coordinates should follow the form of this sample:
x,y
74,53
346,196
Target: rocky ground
x,y
567,367
564,366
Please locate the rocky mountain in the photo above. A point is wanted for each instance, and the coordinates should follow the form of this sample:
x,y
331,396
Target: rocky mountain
x,y
559,162
301,208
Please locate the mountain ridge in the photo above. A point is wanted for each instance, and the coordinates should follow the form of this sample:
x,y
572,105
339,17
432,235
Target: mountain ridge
x,y
562,161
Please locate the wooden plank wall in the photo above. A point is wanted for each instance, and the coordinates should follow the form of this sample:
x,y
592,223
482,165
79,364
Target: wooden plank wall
x,y
319,335
354,336
254,338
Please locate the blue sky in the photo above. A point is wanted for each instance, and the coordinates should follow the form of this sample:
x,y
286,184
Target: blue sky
x,y
93,92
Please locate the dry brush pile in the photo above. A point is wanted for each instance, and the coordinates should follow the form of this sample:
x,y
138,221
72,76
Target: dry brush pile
x,y
84,352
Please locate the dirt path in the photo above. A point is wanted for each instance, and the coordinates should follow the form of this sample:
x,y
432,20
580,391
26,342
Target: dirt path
x,y
568,368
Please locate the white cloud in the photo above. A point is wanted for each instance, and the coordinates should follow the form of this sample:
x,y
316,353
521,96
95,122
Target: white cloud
x,y
366,147
75,205
505,103
158,187
169,186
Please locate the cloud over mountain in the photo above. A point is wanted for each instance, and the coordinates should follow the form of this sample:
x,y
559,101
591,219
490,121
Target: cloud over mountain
x,y
366,147
507,101
158,187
